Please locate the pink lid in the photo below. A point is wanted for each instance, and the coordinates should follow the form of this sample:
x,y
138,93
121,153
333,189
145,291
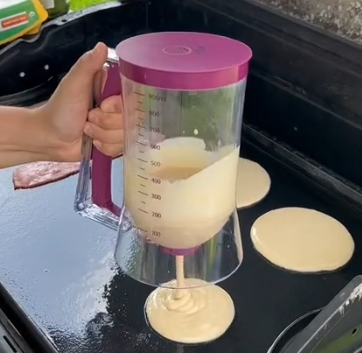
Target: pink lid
x,y
184,60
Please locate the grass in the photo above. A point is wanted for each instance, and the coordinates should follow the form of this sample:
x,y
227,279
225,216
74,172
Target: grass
x,y
76,5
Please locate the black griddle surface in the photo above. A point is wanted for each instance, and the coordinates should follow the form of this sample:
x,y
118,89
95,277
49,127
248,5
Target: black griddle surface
x,y
60,269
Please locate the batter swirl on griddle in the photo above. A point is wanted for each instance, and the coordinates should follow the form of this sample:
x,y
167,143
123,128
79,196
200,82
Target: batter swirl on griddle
x,y
200,313
189,302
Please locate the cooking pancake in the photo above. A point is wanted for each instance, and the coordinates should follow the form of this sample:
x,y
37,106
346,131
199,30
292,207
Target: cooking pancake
x,y
302,240
253,183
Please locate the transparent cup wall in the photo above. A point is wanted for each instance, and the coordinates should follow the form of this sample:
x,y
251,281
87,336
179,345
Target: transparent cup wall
x,y
151,234
214,115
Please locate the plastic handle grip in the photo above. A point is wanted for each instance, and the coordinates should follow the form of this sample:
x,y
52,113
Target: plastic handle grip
x,y
102,164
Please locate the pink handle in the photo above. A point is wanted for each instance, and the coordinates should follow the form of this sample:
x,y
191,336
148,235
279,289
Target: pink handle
x,y
102,164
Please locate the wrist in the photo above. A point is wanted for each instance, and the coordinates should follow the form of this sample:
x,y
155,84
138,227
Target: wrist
x,y
22,132
25,137
38,139
45,143
55,149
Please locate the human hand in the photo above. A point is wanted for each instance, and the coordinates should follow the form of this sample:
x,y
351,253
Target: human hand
x,y
105,126
68,112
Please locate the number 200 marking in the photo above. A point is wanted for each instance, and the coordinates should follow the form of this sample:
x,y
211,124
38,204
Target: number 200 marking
x,y
156,214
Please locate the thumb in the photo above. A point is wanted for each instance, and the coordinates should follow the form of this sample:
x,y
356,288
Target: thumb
x,y
92,61
82,73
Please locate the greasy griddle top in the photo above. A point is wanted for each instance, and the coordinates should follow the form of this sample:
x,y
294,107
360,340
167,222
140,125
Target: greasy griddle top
x,y
60,269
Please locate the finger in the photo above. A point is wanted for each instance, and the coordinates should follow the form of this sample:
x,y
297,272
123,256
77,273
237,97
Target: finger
x,y
106,136
90,62
112,105
107,121
112,150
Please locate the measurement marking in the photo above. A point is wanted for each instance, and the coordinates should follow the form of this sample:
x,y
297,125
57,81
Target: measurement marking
x,y
139,134
142,168
143,202
140,110
140,102
140,118
143,193
142,160
140,126
141,143
142,177
142,230
140,209
138,94
141,151
143,185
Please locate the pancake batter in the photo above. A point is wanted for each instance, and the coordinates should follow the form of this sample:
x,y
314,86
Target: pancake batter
x,y
253,183
194,312
167,190
171,204
302,240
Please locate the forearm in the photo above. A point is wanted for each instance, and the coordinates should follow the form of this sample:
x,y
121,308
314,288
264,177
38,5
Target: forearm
x,y
22,137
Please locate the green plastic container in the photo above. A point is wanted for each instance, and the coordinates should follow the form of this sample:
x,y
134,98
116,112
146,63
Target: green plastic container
x,y
56,8
76,5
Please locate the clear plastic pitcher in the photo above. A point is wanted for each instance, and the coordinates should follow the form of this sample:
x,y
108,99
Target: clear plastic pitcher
x,y
183,98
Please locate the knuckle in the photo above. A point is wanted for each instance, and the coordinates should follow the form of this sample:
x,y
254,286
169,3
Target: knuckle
x,y
95,111
103,120
112,121
107,106
114,150
98,133
112,105
107,149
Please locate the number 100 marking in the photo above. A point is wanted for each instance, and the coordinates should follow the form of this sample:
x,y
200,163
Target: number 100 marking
x,y
156,234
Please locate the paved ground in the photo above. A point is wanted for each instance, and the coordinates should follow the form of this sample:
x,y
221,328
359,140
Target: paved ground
x,y
342,17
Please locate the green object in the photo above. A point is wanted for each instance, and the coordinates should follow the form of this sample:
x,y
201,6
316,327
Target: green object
x,y
17,19
342,344
76,5
56,8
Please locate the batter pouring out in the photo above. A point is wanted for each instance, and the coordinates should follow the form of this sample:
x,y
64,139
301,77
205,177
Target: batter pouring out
x,y
189,310
185,310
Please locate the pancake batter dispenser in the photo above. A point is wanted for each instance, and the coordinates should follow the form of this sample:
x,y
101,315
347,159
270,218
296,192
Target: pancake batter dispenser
x,y
183,97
